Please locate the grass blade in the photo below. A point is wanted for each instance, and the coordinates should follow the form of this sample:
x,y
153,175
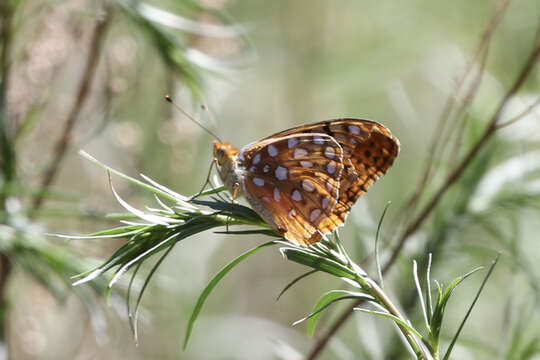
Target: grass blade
x,y
126,177
391,317
212,284
377,260
304,257
419,290
454,339
141,293
328,299
289,285
429,302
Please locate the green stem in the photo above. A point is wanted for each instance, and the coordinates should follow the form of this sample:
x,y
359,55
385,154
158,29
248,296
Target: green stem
x,y
375,290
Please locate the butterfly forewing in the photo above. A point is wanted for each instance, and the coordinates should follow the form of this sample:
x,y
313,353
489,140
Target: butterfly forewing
x,y
293,182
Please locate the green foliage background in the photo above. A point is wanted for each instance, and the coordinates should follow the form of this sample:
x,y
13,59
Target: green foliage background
x,y
272,65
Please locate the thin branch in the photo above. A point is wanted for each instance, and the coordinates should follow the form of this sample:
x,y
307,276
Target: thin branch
x,y
82,95
492,127
435,147
461,117
520,115
458,170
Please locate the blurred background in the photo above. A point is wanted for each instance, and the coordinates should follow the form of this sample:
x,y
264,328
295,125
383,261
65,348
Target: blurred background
x,y
92,75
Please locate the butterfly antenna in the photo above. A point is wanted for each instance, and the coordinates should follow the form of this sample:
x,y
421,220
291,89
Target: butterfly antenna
x,y
168,98
211,116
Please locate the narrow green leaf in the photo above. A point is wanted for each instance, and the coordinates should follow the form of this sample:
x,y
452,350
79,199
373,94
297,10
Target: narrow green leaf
x,y
289,285
121,255
180,199
128,298
125,267
391,317
266,232
377,260
458,332
236,209
420,294
213,191
141,293
119,232
429,301
328,299
438,313
213,282
126,177
153,219
175,21
304,257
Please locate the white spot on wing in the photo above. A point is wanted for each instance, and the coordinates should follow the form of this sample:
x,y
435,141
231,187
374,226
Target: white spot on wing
x,y
330,185
266,168
277,195
354,129
292,142
299,152
308,185
296,196
256,159
331,167
306,164
281,173
292,213
330,152
272,150
314,215
258,181
325,202
318,140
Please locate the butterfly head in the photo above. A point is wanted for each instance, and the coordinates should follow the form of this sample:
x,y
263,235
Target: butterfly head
x,y
224,152
227,161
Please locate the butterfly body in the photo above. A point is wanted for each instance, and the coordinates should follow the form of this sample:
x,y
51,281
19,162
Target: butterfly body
x,y
303,181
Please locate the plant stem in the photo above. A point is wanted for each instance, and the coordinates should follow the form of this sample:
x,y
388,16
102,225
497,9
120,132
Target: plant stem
x,y
82,95
375,290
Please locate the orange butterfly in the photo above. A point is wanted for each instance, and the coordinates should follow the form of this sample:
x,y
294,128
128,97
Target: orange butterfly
x,y
303,181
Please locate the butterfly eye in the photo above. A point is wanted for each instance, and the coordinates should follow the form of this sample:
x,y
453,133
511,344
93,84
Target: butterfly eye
x,y
219,154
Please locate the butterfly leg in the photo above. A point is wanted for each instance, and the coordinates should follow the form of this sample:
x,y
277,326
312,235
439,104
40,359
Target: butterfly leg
x,y
206,182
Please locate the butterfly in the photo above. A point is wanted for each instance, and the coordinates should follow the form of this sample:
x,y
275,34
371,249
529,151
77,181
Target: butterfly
x,y
303,181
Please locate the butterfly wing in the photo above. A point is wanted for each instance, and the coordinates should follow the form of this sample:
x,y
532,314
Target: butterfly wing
x,y
369,149
293,183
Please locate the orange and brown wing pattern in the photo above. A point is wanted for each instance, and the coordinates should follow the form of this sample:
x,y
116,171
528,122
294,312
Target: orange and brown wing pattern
x,y
293,182
369,150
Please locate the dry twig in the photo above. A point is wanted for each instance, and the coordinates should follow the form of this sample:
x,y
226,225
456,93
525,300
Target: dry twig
x,y
82,94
